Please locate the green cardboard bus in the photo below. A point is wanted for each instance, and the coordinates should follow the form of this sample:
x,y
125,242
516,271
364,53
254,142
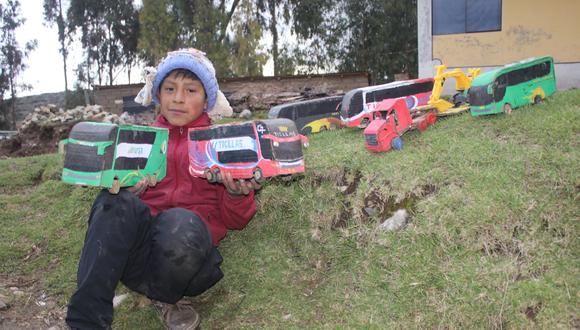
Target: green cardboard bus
x,y
514,85
114,156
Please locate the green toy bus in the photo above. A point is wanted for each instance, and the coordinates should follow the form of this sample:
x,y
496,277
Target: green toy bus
x,y
500,90
114,156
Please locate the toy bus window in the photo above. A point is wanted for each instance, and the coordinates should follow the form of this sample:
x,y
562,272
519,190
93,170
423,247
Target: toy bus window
x,y
133,149
265,144
500,87
516,77
85,158
237,156
542,69
225,132
379,95
288,112
354,104
425,87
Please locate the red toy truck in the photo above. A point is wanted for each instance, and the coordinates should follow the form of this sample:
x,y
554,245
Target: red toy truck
x,y
393,120
255,149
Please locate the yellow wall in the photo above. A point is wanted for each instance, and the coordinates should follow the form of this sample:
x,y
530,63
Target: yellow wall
x,y
529,28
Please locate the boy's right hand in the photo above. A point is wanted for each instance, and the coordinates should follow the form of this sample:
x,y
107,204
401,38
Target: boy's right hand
x,y
140,186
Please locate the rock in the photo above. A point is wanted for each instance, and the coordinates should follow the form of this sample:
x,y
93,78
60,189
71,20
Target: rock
x,y
396,222
316,234
119,299
371,211
245,114
3,305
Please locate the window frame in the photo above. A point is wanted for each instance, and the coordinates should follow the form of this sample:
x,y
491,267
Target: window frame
x,y
465,30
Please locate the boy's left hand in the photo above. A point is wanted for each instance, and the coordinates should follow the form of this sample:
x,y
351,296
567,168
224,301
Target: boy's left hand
x,y
239,187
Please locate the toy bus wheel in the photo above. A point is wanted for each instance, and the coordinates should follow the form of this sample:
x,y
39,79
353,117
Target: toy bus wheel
x,y
258,175
537,99
322,128
209,176
217,175
397,143
364,122
115,187
507,108
432,118
286,178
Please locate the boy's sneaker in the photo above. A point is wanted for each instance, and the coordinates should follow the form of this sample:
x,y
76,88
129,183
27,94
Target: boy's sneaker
x,y
180,316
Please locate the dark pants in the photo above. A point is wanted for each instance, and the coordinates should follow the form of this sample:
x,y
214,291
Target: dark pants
x,y
164,257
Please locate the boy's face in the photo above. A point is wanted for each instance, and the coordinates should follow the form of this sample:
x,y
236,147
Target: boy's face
x,y
181,99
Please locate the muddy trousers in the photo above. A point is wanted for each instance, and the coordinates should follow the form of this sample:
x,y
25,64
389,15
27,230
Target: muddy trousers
x,y
164,257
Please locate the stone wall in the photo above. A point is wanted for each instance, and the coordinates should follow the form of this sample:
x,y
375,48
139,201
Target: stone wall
x,y
111,97
26,104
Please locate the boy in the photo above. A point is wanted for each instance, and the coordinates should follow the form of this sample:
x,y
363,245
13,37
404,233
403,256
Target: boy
x,y
161,241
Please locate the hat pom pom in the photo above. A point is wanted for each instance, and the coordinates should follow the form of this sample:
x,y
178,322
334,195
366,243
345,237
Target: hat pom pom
x,y
145,95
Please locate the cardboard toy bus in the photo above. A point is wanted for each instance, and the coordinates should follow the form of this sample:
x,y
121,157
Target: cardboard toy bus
x,y
254,149
114,156
358,105
500,90
311,116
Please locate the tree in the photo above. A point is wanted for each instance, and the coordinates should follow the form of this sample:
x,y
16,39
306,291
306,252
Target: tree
x,y
53,15
159,30
365,35
247,59
13,57
131,39
304,17
219,28
105,26
271,10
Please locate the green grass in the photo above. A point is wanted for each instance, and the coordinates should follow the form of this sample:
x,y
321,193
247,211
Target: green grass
x,y
492,240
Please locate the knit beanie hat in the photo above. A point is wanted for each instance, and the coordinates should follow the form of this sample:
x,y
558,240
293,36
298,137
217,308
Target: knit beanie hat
x,y
190,59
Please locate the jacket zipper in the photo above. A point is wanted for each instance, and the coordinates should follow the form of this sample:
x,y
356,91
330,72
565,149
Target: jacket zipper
x,y
175,166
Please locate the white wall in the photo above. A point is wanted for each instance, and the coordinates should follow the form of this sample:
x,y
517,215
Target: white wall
x,y
424,39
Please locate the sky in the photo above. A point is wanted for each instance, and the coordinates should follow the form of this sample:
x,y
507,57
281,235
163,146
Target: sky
x,y
45,68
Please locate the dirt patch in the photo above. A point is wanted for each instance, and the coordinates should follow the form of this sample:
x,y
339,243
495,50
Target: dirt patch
x,y
35,139
376,205
343,217
28,306
348,182
532,311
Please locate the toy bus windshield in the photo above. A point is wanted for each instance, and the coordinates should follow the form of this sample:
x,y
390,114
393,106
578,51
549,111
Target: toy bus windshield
x,y
283,143
478,95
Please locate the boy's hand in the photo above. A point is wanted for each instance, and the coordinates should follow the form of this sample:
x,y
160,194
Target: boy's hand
x,y
239,187
140,186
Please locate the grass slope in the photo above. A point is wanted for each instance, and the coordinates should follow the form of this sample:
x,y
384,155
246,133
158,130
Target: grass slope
x,y
492,240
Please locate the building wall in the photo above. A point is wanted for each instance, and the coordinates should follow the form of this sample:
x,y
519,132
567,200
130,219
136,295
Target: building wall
x,y
424,39
530,28
110,97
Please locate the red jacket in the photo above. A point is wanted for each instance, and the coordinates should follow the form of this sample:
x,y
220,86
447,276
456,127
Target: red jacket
x,y
211,201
